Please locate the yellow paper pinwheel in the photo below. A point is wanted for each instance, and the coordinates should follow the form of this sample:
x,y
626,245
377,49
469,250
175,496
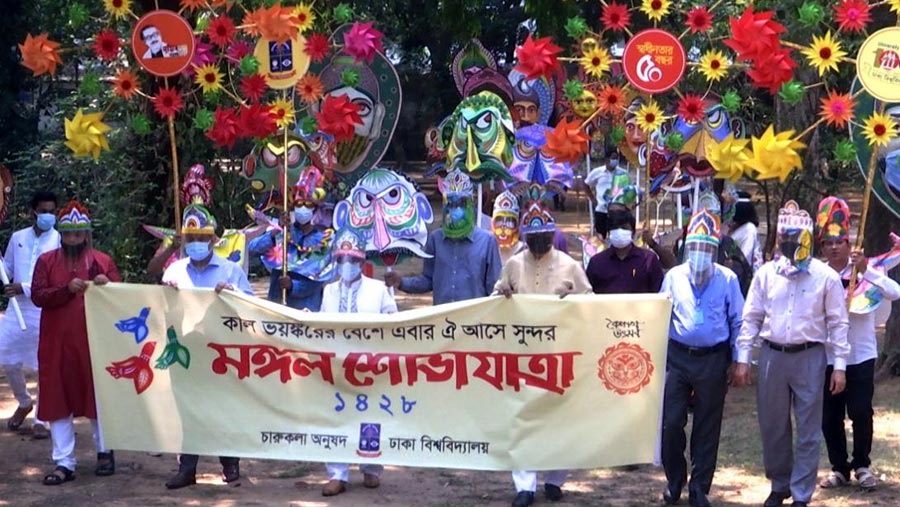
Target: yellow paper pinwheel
x,y
86,134
775,155
729,157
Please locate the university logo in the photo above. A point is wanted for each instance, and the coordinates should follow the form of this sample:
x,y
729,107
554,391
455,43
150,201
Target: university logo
x,y
369,440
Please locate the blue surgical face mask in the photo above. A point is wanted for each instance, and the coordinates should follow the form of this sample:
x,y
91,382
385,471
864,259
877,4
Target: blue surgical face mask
x,y
45,221
613,163
349,271
197,250
303,215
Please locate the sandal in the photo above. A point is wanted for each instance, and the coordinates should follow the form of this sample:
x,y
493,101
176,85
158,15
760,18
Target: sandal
x,y
866,478
834,480
106,464
58,476
18,417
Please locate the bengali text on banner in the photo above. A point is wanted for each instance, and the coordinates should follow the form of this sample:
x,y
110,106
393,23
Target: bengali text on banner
x,y
532,382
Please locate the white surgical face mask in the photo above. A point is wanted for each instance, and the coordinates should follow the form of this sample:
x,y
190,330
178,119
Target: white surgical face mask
x,y
303,215
620,238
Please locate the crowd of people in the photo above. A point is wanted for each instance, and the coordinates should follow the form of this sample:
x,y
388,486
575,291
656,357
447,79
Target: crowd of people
x,y
815,359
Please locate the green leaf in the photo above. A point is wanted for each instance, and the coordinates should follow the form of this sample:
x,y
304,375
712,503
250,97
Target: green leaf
x,y
810,14
731,101
350,77
675,141
617,134
573,89
90,84
203,119
78,15
140,124
845,151
576,27
791,92
248,65
342,13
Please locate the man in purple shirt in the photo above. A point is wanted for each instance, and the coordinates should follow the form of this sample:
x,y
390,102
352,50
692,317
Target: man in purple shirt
x,y
624,267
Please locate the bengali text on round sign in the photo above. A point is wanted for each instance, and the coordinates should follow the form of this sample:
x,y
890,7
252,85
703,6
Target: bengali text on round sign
x,y
654,61
878,64
163,43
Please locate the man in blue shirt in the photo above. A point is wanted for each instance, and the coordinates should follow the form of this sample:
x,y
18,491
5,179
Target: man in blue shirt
x,y
706,317
302,291
465,260
201,267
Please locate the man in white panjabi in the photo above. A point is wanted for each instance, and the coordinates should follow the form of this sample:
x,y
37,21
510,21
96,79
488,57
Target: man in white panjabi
x,y
353,293
18,348
540,269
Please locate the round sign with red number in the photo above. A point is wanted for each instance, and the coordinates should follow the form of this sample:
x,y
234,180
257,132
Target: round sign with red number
x,y
654,61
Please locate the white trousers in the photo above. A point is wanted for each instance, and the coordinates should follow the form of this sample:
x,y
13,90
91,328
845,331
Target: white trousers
x,y
16,376
527,481
62,433
341,471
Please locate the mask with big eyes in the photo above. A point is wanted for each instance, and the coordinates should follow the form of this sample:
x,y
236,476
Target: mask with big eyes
x,y
264,164
585,105
506,229
387,211
479,137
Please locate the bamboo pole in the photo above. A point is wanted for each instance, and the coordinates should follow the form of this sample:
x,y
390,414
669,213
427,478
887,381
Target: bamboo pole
x,y
176,175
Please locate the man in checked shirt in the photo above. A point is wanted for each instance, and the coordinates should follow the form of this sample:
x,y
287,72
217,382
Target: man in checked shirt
x,y
796,306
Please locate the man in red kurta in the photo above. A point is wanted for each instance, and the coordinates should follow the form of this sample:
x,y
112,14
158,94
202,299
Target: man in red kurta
x,y
64,363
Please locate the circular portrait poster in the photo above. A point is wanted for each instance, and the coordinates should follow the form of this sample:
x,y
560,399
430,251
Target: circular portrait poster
x,y
163,43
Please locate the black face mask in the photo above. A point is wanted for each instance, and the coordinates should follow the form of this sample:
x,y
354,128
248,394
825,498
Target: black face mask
x,y
74,251
539,244
789,248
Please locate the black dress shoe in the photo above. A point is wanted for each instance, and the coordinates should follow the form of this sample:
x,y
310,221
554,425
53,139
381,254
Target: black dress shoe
x,y
698,499
106,464
776,498
231,472
552,492
523,499
671,495
184,477
799,504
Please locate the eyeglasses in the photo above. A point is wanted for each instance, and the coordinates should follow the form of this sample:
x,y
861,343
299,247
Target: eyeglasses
x,y
305,204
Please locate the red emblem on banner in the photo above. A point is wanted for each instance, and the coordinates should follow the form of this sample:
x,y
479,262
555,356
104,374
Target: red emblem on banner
x,y
654,61
625,368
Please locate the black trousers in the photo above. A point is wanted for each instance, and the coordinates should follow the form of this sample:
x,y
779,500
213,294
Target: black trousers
x,y
601,223
855,402
707,377
189,461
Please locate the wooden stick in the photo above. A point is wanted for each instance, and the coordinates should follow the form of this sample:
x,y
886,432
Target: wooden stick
x,y
176,175
861,232
285,228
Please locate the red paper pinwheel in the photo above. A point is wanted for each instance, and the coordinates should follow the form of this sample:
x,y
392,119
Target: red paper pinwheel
x,y
773,69
338,116
615,17
167,102
225,129
221,31
692,108
754,34
852,15
256,121
107,44
537,58
316,47
253,87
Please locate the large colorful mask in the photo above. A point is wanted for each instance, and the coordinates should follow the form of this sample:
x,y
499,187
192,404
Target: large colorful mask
x,y
585,105
833,220
459,211
715,126
530,165
505,219
533,99
390,213
795,237
378,95
470,61
264,165
480,137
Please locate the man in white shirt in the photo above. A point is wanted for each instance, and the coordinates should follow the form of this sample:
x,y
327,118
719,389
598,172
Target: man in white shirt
x,y
833,218
353,293
795,305
597,182
18,348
